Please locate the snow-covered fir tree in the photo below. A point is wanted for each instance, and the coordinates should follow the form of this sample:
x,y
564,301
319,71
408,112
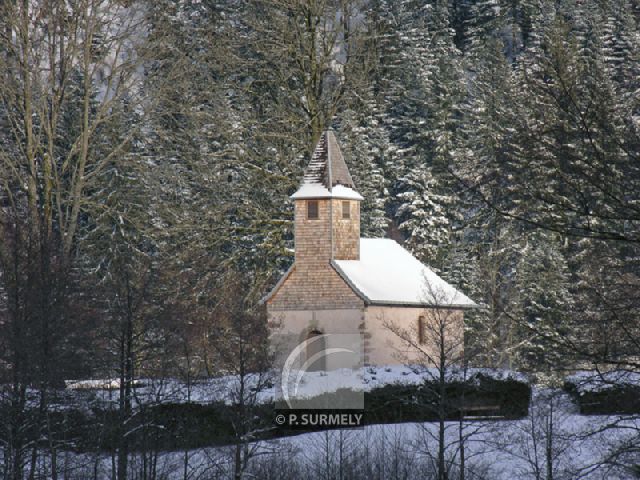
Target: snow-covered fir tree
x,y
423,216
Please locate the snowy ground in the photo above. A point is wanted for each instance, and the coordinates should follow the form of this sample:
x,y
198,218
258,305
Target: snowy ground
x,y
581,447
500,450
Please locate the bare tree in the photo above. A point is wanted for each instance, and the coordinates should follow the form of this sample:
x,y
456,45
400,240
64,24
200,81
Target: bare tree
x,y
436,343
239,340
311,47
541,442
66,68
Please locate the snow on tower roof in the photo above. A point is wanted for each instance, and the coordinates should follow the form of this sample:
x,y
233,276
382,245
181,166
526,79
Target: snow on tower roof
x,y
387,274
316,190
327,175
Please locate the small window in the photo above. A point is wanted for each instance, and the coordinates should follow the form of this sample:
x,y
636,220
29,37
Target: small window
x,y
421,330
346,210
312,210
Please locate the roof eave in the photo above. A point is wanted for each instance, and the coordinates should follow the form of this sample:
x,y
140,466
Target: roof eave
x,y
391,303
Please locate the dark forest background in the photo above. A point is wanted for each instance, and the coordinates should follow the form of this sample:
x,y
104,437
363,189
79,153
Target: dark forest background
x,y
148,149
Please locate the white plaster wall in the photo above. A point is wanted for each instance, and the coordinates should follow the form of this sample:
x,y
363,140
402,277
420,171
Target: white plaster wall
x,y
382,346
385,347
289,328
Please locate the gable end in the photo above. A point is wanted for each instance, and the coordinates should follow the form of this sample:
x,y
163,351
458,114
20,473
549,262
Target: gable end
x,y
313,287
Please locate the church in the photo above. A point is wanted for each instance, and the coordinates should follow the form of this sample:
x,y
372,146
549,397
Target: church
x,y
340,283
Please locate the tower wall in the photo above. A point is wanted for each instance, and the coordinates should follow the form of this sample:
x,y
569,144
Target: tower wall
x,y
312,237
346,232
329,237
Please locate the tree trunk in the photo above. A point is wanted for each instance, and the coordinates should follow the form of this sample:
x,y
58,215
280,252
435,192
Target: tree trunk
x,y
549,446
126,380
461,440
442,470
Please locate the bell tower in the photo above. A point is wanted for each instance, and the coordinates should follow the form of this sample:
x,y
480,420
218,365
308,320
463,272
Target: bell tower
x,y
327,208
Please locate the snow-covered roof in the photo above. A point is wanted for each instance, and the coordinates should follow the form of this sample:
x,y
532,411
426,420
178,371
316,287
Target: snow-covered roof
x,y
327,175
317,190
387,274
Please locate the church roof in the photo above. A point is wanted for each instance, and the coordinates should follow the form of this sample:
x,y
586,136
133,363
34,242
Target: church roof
x,y
387,274
327,175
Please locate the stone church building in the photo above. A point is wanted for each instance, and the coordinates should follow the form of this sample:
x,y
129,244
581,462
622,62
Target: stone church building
x,y
341,283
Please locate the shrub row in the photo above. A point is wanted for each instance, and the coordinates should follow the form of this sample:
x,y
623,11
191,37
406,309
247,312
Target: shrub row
x,y
612,400
174,426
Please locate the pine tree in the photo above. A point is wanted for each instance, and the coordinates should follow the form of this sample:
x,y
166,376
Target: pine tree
x,y
422,216
421,64
367,149
570,163
484,25
544,304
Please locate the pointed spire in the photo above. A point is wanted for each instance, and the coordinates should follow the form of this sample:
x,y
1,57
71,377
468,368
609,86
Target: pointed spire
x,y
326,170
327,164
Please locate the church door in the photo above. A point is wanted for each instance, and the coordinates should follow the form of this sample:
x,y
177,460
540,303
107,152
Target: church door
x,y
315,348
